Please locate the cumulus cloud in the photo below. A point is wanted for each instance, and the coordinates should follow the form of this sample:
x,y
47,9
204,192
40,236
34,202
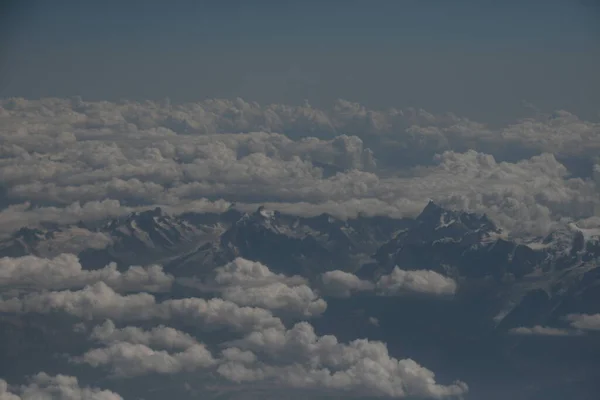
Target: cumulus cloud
x,y
132,351
98,159
300,358
59,387
588,322
65,272
421,281
128,359
217,312
99,301
342,284
539,330
91,302
163,337
250,283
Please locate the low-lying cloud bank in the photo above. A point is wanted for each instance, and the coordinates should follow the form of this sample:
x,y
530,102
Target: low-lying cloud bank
x,y
59,387
539,330
587,322
398,282
250,283
65,272
89,160
266,350
362,366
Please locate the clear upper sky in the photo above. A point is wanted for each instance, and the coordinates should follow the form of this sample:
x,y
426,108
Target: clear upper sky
x,y
480,58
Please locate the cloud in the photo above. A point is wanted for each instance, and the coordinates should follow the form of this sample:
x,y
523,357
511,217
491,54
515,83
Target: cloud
x,y
298,357
242,272
65,272
158,337
99,301
59,387
294,357
588,322
542,331
91,302
128,359
249,283
426,282
101,159
132,351
217,312
342,284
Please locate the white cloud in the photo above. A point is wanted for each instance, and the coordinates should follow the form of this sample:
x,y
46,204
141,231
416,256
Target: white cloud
x,y
242,272
588,322
102,158
65,272
421,281
249,283
128,359
60,387
299,358
91,302
217,312
539,330
99,301
342,284
161,336
132,351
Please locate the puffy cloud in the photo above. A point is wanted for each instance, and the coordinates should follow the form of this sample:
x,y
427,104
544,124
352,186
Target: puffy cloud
x,y
278,296
588,322
426,282
99,301
65,271
298,357
251,283
91,302
242,272
60,387
539,330
128,359
342,284
114,156
217,312
398,282
158,337
132,351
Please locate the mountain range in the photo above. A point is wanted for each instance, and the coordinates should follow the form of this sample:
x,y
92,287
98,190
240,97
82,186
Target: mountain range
x,y
505,284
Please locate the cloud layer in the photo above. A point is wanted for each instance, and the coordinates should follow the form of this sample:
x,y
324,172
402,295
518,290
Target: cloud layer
x,y
539,330
250,283
98,159
65,160
65,272
60,387
398,282
266,351
321,361
588,322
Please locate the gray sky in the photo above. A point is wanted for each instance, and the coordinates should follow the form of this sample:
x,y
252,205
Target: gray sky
x,y
479,59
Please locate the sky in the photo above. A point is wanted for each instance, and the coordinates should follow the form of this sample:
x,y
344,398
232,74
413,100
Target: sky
x,y
486,60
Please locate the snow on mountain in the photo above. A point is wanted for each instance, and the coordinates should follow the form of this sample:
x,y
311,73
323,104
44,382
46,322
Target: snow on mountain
x,y
298,245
